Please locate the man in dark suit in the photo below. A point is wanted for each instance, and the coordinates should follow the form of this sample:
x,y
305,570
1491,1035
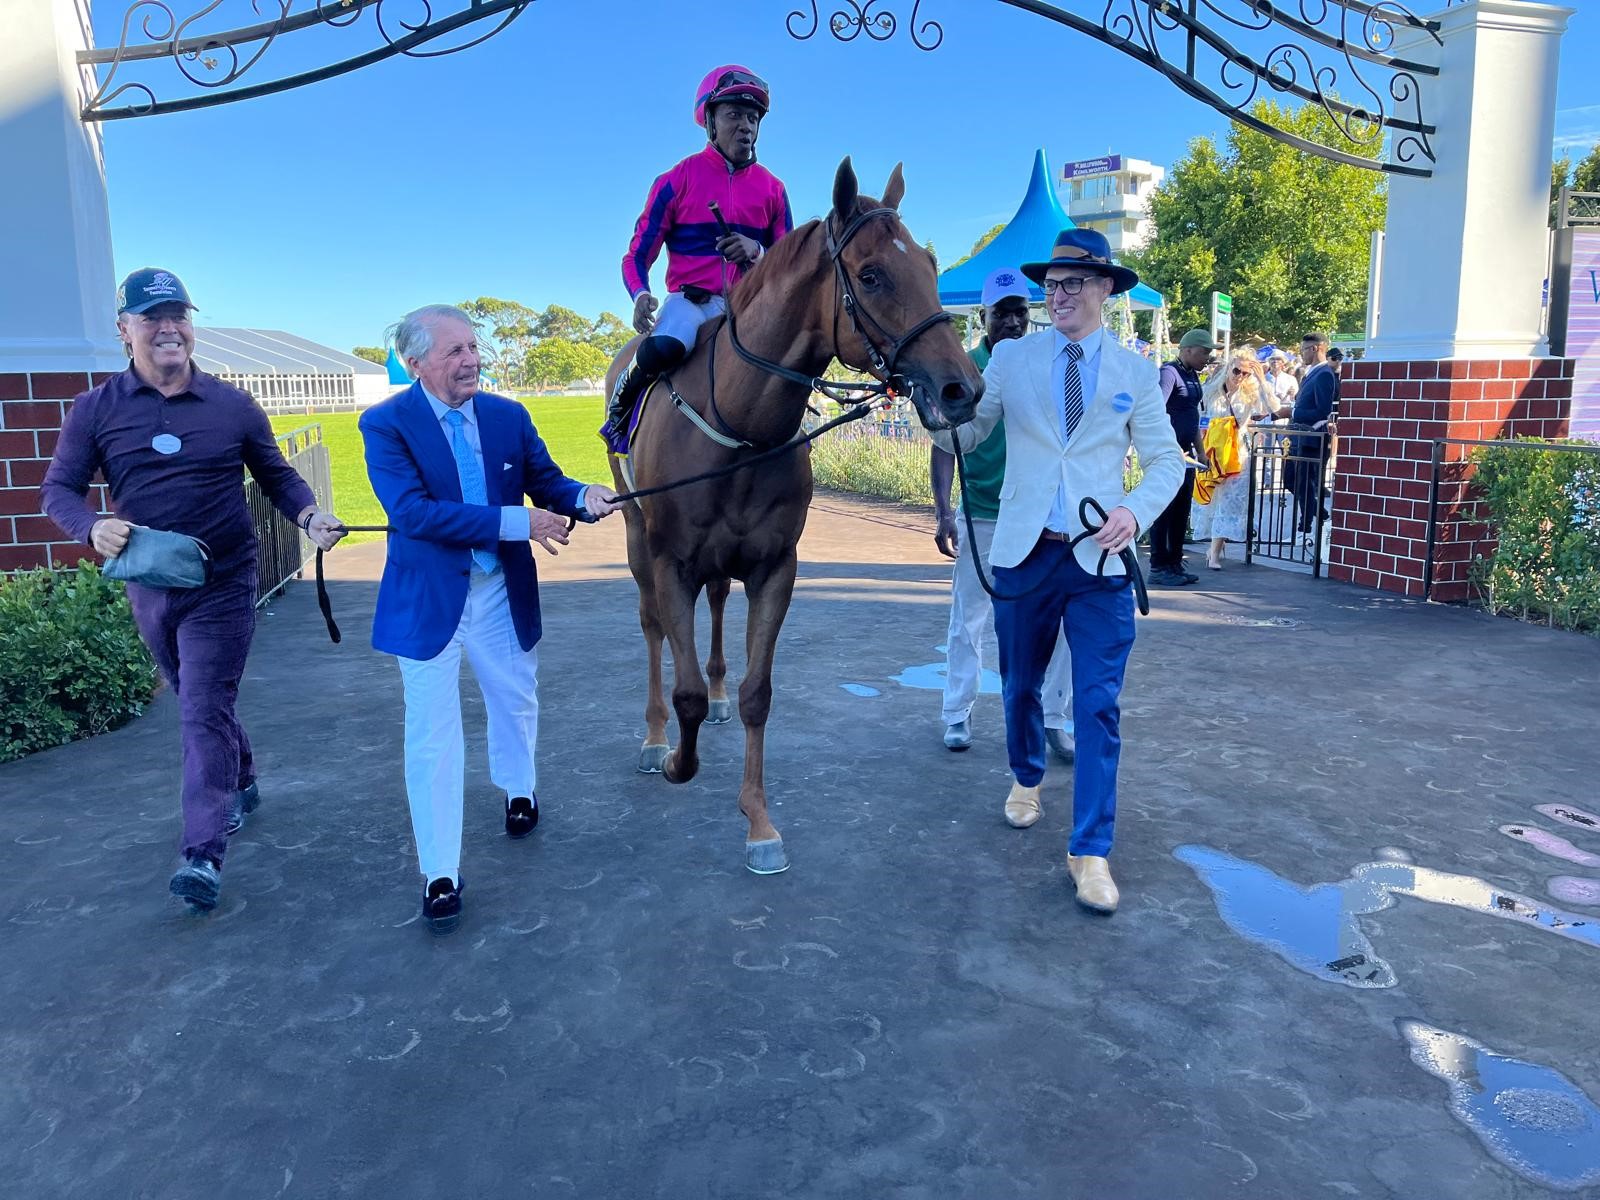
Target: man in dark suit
x,y
451,466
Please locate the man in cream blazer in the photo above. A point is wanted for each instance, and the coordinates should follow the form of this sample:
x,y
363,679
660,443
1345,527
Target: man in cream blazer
x,y
1072,400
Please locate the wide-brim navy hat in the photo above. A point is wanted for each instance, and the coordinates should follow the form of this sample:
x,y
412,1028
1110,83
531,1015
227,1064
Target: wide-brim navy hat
x,y
148,287
1086,248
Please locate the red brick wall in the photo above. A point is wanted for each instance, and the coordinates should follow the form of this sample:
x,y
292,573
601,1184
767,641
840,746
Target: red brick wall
x,y
32,407
1389,414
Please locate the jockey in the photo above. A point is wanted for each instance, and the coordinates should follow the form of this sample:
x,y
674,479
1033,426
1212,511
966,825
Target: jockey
x,y
702,261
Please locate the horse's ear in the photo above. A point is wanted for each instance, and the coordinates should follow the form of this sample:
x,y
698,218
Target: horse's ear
x,y
845,189
895,189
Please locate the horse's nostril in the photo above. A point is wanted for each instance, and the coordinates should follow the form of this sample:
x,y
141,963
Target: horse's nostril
x,y
955,393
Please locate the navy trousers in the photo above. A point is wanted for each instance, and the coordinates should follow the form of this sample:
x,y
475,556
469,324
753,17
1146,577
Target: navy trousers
x,y
199,639
1097,616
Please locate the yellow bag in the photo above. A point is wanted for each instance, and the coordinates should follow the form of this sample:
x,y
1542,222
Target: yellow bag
x,y
1221,448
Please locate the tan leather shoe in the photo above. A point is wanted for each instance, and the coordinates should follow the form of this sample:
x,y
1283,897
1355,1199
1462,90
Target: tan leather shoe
x,y
1022,806
1091,874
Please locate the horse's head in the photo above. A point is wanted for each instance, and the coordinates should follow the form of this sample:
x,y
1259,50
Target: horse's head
x,y
890,294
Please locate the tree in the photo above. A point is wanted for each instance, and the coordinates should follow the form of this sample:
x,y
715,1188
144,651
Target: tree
x,y
1560,176
558,321
505,334
560,362
1286,233
977,245
376,354
609,334
1586,175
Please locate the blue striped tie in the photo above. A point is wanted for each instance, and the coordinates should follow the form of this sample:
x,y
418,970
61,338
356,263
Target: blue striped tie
x,y
1073,406
473,490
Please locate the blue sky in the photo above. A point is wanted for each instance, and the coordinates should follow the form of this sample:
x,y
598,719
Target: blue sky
x,y
516,168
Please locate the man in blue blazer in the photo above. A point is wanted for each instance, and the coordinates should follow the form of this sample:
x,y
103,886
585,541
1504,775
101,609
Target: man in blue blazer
x,y
451,466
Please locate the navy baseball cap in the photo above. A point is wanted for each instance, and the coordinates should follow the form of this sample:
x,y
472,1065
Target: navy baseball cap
x,y
148,287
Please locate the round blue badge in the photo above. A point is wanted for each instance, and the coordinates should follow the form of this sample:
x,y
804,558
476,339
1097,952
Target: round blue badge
x,y
165,443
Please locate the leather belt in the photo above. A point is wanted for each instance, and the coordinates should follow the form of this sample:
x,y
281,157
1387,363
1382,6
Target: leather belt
x,y
1054,535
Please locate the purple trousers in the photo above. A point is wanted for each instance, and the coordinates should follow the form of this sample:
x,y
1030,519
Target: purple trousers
x,y
199,639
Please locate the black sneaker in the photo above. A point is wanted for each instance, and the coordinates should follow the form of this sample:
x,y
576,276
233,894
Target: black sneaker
x,y
198,881
441,906
245,800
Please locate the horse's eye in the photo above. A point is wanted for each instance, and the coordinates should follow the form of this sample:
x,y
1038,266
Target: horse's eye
x,y
870,277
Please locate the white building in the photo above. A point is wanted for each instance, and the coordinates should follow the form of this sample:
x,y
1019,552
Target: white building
x,y
1111,195
288,374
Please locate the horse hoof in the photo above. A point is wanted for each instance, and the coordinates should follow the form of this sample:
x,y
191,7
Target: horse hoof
x,y
676,770
766,858
651,757
720,712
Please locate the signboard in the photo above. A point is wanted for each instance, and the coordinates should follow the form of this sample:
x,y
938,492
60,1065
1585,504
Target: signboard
x,y
1221,314
1092,166
1583,333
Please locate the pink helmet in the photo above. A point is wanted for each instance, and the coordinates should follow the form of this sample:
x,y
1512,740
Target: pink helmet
x,y
730,82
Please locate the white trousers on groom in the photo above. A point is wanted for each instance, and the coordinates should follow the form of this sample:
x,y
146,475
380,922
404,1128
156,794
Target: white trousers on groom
x,y
971,617
435,751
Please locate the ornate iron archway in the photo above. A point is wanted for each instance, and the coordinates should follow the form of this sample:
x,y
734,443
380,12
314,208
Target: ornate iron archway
x,y
1337,54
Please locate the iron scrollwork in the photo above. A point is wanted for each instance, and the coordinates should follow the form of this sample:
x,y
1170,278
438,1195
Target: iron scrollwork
x,y
852,19
1337,54
214,63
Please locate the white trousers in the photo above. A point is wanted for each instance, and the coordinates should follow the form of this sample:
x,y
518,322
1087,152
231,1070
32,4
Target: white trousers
x,y
972,622
681,318
435,750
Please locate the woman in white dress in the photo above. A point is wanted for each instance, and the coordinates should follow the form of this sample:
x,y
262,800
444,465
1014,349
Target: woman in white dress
x,y
1239,390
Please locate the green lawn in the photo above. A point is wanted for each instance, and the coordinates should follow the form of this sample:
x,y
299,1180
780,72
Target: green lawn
x,y
568,425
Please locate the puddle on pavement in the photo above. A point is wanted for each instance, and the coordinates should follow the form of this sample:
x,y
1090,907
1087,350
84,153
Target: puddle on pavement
x,y
1568,815
1316,930
1574,889
1530,1117
1551,844
860,689
1263,622
930,677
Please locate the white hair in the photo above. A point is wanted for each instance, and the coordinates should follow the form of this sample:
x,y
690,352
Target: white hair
x,y
412,334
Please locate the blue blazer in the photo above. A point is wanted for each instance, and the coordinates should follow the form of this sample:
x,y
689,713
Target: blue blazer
x,y
429,564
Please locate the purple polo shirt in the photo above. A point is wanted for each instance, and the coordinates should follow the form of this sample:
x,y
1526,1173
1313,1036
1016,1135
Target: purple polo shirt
x,y
211,431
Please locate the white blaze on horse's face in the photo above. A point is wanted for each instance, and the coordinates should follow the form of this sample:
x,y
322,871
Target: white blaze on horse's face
x,y
900,246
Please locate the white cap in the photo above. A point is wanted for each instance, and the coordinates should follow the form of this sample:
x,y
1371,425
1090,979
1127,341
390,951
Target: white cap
x,y
1007,281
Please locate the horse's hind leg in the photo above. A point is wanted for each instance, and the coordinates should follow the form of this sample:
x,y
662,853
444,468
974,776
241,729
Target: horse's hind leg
x,y
720,711
769,597
675,597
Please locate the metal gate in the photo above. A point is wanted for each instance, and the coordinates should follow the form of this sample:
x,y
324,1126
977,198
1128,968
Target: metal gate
x,y
1288,500
284,549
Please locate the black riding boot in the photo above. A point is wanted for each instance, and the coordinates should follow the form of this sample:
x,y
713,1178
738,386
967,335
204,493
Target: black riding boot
x,y
656,354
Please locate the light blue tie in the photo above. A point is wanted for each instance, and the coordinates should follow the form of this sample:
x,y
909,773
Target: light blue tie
x,y
473,490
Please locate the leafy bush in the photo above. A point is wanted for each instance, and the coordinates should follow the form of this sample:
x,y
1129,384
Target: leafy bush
x,y
854,459
1544,506
71,662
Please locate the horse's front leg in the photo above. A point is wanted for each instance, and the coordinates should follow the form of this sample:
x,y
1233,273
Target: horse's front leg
x,y
675,597
720,711
654,751
769,597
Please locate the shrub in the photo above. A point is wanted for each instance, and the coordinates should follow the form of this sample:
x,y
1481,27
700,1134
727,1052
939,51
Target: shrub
x,y
1544,506
854,459
71,662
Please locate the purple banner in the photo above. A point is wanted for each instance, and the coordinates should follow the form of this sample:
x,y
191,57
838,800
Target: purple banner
x,y
1092,166
1583,333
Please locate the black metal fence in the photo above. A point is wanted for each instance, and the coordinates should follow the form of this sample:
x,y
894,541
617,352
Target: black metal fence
x,y
1289,470
284,549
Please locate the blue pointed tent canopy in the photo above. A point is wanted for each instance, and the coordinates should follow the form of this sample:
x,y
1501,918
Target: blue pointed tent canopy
x,y
397,372
1027,237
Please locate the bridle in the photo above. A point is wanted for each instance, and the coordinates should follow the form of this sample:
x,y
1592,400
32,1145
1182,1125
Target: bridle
x,y
884,360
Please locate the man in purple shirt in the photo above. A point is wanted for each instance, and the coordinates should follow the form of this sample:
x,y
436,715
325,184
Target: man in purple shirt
x,y
172,443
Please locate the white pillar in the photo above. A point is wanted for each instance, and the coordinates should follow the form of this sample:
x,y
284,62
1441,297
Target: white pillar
x,y
1466,250
57,279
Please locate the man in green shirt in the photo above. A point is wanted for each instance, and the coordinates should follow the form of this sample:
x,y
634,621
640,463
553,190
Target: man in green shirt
x,y
1004,315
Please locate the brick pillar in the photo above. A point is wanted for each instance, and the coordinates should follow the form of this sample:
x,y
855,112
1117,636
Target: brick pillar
x,y
1389,414
32,407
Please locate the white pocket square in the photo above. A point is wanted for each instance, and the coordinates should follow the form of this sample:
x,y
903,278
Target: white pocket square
x,y
505,466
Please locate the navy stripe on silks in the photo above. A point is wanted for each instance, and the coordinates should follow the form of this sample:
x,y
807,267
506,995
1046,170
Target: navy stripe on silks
x,y
700,239
788,213
658,212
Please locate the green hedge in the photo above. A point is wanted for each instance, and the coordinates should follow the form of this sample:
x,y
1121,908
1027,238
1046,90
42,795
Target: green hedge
x,y
1544,506
71,662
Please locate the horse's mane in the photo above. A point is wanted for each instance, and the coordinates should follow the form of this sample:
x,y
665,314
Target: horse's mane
x,y
779,261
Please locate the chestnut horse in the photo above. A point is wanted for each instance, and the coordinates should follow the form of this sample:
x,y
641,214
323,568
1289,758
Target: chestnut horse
x,y
855,286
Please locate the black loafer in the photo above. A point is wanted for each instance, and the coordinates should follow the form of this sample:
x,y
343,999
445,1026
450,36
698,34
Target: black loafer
x,y
522,814
441,906
198,881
